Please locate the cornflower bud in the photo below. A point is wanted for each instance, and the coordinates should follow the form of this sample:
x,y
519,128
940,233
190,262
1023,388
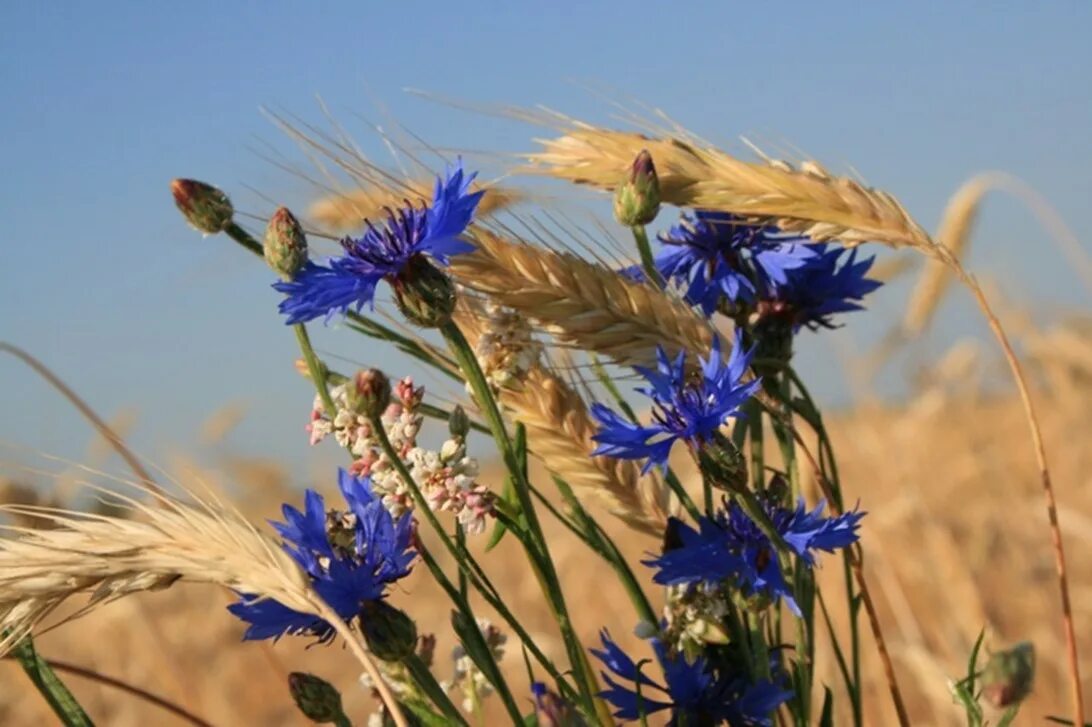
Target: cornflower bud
x,y
553,711
637,199
458,423
390,634
1008,675
205,207
424,293
722,462
318,699
284,245
369,392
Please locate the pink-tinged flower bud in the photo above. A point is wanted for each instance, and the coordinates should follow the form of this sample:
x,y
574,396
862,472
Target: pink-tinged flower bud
x,y
1008,675
553,711
369,393
637,198
205,207
318,699
284,245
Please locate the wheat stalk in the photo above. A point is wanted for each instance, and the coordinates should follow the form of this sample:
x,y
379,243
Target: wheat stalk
x,y
580,303
693,174
109,557
559,431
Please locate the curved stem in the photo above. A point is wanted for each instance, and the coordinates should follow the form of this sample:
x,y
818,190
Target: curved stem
x,y
131,689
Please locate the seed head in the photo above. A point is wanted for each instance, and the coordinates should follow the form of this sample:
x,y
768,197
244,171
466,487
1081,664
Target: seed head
x,y
390,634
318,699
284,245
1008,675
205,207
637,198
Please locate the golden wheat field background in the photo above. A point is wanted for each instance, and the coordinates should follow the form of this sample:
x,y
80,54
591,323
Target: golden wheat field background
x,y
956,542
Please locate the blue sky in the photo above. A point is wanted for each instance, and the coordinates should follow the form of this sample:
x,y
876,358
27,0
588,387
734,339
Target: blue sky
x,y
105,103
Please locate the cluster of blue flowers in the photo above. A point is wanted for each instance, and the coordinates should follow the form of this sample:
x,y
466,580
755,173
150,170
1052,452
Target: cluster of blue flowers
x,y
684,408
694,691
351,557
717,258
385,252
730,548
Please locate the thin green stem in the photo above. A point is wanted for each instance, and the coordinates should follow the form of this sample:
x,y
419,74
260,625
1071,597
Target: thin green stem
x,y
648,263
316,369
50,686
423,678
537,549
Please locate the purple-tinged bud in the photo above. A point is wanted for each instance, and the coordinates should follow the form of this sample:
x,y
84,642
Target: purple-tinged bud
x,y
424,293
284,245
369,393
390,634
318,699
205,207
1008,675
637,198
553,711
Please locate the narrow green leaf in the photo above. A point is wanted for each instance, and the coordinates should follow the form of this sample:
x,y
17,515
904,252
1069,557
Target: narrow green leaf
x,y
826,716
60,700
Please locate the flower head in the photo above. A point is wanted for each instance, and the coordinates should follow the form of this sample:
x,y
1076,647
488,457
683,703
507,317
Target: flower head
x,y
384,252
831,282
717,255
685,406
351,557
695,692
731,547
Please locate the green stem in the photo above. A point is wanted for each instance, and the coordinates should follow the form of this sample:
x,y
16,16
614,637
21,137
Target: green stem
x,y
423,678
537,550
640,235
316,369
50,686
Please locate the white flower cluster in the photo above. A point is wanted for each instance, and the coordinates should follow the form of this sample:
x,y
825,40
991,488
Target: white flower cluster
x,y
447,478
506,350
467,677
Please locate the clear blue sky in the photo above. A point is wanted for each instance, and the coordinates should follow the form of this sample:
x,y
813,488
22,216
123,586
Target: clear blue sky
x,y
105,102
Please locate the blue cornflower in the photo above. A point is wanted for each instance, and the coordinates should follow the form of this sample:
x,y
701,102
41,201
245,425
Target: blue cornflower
x,y
690,408
350,556
730,547
384,252
694,692
718,255
829,283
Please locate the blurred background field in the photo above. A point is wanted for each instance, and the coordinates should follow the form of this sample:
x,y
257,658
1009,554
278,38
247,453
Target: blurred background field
x,y
177,340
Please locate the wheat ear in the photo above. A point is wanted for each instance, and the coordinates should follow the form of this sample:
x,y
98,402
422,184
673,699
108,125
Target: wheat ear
x,y
559,431
580,303
107,558
694,174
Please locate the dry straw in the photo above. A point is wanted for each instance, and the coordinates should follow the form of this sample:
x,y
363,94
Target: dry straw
x,y
559,431
580,303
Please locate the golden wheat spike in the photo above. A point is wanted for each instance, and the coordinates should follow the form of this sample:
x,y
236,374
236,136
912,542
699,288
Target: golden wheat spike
x,y
580,303
692,174
559,431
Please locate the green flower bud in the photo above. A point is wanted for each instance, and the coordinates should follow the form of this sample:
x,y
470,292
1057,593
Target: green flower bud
x,y
390,634
637,199
1008,675
424,293
369,392
284,245
318,699
205,207
458,423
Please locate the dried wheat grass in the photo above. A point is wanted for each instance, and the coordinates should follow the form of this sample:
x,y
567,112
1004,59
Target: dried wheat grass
x,y
559,431
580,303
693,174
345,212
